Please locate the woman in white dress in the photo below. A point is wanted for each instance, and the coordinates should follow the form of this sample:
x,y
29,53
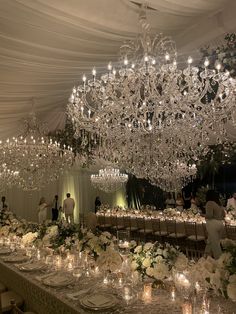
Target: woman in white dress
x,y
42,210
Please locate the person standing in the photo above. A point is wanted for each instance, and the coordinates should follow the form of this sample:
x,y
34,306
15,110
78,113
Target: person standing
x,y
231,203
55,208
3,204
214,224
68,208
42,210
170,201
97,204
179,202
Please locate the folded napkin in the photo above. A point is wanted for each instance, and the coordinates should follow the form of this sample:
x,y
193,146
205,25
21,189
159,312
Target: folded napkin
x,y
99,300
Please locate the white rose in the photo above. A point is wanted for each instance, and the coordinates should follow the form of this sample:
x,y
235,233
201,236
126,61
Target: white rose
x,y
134,265
224,260
147,262
165,253
159,259
160,271
181,262
159,251
148,246
138,249
232,278
231,291
210,264
149,271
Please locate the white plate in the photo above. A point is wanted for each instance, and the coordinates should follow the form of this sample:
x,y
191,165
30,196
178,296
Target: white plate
x,y
5,251
58,280
33,266
16,259
99,301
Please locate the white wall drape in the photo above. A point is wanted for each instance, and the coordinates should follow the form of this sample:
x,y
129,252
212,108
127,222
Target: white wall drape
x,y
75,181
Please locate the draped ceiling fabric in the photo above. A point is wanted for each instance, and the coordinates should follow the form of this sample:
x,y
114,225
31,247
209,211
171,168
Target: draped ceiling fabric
x,y
46,45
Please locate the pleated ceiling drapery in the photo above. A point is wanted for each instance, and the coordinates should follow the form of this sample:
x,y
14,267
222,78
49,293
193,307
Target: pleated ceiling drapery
x,y
75,181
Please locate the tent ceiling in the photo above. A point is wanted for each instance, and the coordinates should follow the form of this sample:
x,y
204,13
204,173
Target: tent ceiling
x,y
46,45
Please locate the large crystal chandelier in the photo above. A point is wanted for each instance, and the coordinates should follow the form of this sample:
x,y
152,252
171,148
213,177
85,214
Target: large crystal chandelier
x,y
148,92
146,113
35,158
109,179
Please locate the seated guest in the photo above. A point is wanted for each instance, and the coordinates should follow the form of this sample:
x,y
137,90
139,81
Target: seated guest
x,y
231,203
170,201
179,202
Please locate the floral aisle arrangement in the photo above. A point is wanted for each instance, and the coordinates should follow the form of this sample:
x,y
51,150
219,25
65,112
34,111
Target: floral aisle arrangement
x,y
154,260
59,236
219,275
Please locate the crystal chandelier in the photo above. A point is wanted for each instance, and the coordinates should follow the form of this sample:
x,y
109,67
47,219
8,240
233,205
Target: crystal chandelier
x,y
8,178
35,158
147,92
109,179
146,113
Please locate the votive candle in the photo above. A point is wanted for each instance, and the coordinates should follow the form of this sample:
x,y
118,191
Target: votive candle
x,y
147,292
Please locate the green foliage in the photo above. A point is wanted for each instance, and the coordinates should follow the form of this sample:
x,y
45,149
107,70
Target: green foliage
x,y
225,54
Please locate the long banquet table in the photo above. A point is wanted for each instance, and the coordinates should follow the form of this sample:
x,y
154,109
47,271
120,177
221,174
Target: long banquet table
x,y
46,300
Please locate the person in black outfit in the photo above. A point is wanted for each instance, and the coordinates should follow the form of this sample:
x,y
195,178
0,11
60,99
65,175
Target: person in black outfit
x,y
97,203
55,208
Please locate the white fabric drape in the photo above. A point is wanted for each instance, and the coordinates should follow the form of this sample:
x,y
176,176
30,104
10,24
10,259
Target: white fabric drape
x,y
75,181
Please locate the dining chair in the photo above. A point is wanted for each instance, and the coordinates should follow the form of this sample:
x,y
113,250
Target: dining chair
x,y
193,254
158,233
7,297
230,231
144,228
16,310
174,236
192,232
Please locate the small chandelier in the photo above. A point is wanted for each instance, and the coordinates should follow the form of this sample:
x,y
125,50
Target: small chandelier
x,y
109,179
8,178
35,158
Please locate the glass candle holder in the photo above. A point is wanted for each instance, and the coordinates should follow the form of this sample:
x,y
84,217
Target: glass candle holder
x,y
127,293
147,292
187,308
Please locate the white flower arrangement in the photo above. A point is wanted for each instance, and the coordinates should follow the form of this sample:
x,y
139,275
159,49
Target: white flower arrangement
x,y
109,260
95,244
219,275
5,230
29,238
154,260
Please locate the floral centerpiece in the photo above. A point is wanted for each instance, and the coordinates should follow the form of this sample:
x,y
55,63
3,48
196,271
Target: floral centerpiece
x,y
219,275
95,244
109,260
156,261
